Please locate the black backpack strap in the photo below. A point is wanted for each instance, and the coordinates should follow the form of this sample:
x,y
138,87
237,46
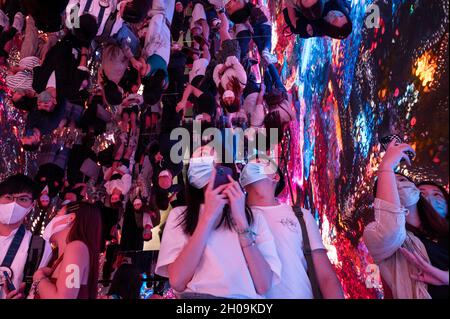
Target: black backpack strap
x,y
109,25
34,258
308,254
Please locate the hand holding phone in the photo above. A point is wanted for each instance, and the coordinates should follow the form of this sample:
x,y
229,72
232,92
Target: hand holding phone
x,y
9,284
222,176
385,141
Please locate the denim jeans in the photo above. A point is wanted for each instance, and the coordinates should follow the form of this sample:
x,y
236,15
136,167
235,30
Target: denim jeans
x,y
262,37
272,79
126,35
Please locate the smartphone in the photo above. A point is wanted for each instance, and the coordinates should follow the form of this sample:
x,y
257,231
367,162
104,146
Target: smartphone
x,y
9,283
222,176
385,141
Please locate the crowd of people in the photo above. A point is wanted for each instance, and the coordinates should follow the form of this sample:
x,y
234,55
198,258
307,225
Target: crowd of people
x,y
103,85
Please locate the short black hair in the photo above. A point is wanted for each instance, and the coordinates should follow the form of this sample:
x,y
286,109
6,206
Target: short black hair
x,y
19,183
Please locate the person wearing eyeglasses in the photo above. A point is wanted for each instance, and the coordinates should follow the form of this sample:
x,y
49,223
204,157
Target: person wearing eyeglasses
x,y
18,195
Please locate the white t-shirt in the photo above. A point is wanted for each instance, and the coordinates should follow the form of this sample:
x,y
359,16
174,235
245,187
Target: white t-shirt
x,y
198,68
287,233
222,271
18,264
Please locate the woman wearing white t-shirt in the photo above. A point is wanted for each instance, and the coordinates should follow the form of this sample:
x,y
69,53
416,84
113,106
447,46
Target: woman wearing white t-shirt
x,y
209,252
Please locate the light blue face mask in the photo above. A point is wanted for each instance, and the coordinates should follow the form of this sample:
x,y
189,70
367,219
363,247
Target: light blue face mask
x,y
439,205
200,170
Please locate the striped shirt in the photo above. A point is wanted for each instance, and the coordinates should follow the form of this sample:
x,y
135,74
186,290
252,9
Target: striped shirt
x,y
23,79
94,8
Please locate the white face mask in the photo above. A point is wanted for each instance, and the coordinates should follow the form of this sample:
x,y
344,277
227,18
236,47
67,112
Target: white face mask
x,y
12,213
408,192
200,170
252,173
52,228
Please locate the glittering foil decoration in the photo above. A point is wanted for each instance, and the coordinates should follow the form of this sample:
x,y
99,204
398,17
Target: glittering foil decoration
x,y
13,159
379,81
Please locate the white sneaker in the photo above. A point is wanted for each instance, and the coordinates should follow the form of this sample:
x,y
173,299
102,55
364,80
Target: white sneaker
x,y
18,21
269,57
4,20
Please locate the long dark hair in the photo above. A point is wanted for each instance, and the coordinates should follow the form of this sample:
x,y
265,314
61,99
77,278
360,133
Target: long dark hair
x,y
237,90
432,224
195,198
87,228
441,188
126,282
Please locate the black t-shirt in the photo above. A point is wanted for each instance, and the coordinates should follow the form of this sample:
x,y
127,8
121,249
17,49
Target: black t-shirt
x,y
437,251
44,121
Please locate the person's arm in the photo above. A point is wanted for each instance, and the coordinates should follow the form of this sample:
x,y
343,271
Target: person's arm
x,y
387,183
183,268
427,273
329,284
384,236
190,90
73,269
258,266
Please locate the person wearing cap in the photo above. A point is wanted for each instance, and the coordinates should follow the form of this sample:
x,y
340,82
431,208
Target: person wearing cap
x,y
263,181
318,18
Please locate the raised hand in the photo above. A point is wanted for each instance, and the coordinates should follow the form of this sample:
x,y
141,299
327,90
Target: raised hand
x,y
395,153
215,201
236,198
427,272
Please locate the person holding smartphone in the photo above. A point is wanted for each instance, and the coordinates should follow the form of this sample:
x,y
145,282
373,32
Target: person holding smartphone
x,y
216,248
406,228
18,195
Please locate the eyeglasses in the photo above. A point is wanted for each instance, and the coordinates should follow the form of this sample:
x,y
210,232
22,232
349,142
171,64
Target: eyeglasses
x,y
21,200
